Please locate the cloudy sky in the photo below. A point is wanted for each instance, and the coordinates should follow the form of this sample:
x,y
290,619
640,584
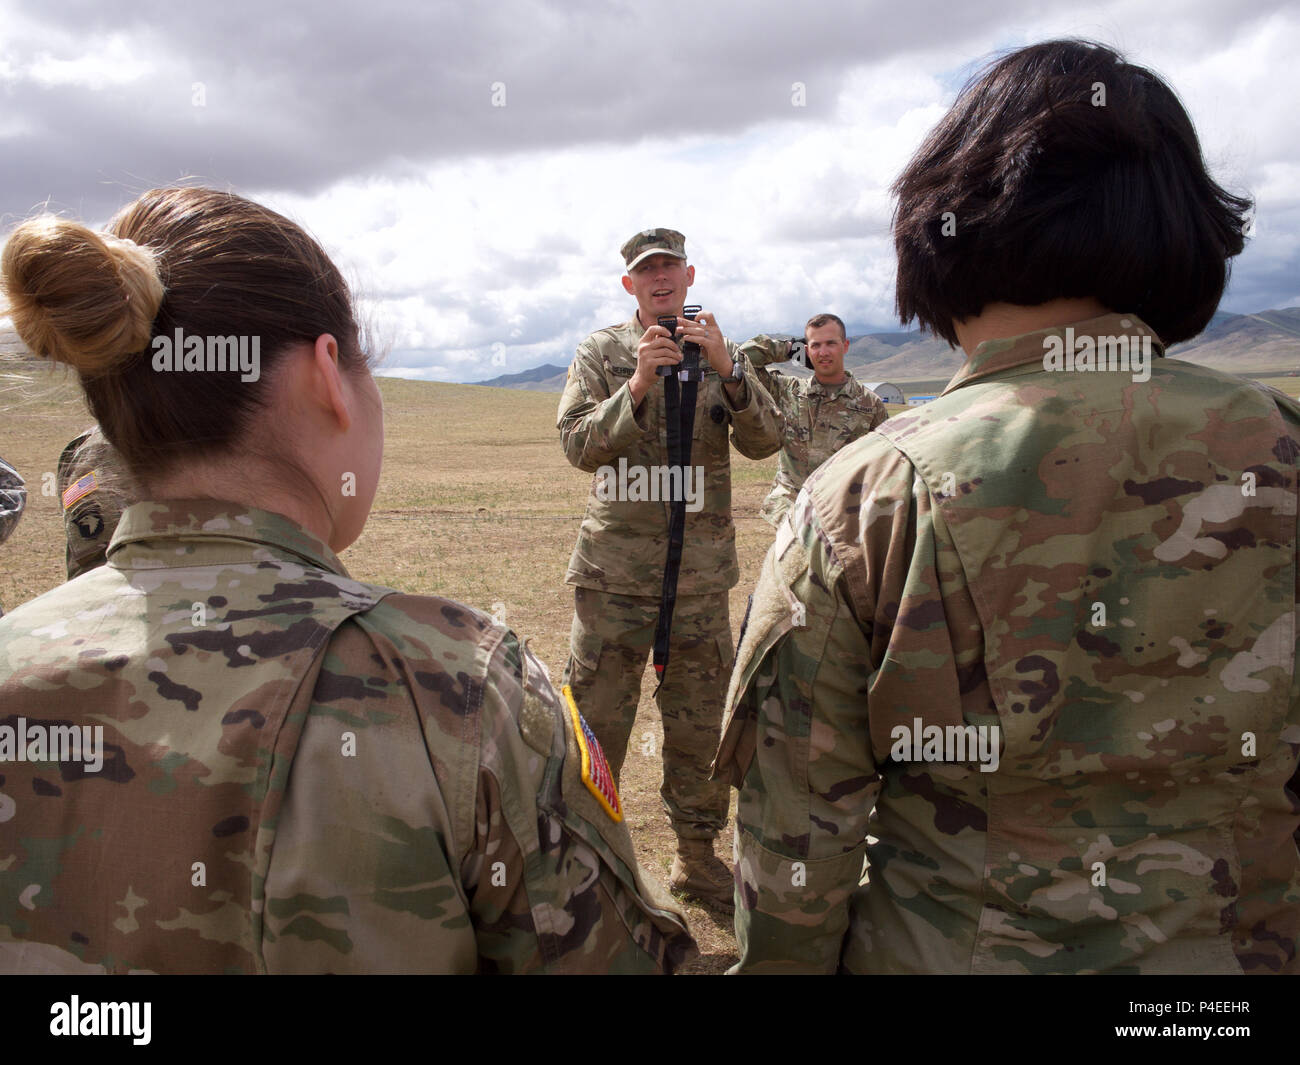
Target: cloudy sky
x,y
474,167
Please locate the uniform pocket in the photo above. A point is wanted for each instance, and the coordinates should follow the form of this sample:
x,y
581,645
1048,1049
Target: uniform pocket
x,y
585,651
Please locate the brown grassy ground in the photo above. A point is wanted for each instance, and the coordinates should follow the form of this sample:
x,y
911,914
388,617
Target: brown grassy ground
x,y
476,502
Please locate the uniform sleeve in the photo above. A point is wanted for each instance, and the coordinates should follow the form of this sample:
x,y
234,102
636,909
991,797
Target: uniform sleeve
x,y
595,425
365,850
797,743
775,508
760,352
441,836
13,498
757,427
763,350
879,412
553,881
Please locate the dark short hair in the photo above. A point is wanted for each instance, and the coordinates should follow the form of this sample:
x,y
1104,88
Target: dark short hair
x,y
819,320
1062,171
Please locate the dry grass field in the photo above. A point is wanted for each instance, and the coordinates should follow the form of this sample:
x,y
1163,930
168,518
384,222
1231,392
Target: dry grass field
x,y
1289,385
477,503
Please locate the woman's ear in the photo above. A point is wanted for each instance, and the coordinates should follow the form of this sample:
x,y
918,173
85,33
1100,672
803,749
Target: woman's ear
x,y
326,384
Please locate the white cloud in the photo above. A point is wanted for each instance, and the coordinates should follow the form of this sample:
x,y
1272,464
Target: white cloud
x,y
112,61
467,227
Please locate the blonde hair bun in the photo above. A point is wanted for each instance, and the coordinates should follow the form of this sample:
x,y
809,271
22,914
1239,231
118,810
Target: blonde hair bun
x,y
78,296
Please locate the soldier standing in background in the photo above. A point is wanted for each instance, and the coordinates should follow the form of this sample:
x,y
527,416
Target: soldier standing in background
x,y
1030,651
822,414
13,498
612,414
94,488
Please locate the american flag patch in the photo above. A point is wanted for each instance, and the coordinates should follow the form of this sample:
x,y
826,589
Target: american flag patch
x,y
81,488
595,770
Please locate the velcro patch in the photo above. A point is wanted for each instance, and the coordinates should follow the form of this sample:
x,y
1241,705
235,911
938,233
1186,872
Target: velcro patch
x,y
595,769
81,488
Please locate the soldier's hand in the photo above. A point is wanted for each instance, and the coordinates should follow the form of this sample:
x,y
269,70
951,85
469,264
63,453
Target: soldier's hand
x,y
657,348
705,332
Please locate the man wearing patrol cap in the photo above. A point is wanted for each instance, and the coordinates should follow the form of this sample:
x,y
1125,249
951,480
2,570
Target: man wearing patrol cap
x,y
613,414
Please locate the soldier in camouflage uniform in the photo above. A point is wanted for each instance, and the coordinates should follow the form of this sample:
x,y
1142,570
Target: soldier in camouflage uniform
x,y
220,753
611,416
94,488
13,498
1028,654
822,414
435,818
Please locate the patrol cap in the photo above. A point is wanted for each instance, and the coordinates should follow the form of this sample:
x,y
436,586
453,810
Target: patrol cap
x,y
653,242
93,486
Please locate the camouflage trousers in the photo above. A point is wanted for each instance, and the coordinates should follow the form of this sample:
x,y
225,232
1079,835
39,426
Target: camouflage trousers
x,y
611,639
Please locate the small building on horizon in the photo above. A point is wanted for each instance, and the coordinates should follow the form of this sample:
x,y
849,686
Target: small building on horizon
x,y
887,391
916,401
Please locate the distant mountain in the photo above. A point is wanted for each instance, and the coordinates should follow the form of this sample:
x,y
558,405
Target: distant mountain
x,y
548,378
1233,343
1246,343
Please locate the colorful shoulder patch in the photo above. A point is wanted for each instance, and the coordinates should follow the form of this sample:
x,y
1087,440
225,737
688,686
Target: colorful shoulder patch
x,y
595,769
80,488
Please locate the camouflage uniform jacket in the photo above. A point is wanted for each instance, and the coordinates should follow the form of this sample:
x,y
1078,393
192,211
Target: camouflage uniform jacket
x,y
1104,569
819,420
13,497
623,544
301,772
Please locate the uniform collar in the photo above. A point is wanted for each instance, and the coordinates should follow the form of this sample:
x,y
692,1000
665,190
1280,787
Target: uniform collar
x,y
209,529
816,388
1025,353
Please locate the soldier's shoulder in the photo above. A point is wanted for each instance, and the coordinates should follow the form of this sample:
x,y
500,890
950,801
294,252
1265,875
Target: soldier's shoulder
x,y
866,479
63,606
861,391
622,335
428,627
858,461
1288,406
455,653
1191,391
613,347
